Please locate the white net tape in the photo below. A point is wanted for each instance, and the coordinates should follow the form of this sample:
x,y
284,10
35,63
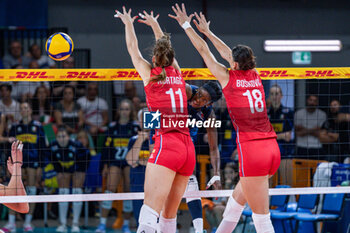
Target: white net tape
x,y
139,195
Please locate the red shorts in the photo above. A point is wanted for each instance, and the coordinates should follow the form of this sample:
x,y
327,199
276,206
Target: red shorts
x,y
258,157
175,151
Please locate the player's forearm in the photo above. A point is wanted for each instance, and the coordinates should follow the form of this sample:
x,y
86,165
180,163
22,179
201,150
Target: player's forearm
x,y
131,39
197,41
215,161
158,32
15,186
132,156
221,47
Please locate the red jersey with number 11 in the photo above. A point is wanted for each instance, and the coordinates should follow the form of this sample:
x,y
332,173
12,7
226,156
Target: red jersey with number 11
x,y
170,99
245,98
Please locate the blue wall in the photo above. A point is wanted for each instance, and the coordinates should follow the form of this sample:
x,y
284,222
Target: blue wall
x,y
27,13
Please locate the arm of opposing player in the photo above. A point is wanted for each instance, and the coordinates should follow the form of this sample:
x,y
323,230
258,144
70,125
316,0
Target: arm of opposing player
x,y
134,147
214,150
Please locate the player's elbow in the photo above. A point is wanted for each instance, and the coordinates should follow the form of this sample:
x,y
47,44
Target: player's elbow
x,y
25,209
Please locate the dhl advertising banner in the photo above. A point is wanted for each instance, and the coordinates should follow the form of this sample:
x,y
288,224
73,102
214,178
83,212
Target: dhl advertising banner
x,y
187,73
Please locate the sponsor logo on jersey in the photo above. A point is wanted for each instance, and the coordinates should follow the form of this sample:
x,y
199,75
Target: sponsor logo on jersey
x,y
30,138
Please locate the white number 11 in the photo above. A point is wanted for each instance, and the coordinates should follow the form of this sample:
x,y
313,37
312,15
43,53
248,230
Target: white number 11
x,y
172,98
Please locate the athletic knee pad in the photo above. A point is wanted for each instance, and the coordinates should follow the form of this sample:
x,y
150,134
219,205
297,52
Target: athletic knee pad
x,y
31,190
127,206
63,191
77,191
233,210
107,204
148,217
192,185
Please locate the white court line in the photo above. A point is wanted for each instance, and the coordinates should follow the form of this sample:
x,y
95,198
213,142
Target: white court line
x,y
139,196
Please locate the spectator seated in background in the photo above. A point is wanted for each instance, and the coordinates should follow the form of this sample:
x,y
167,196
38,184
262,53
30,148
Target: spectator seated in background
x,y
31,133
130,92
70,160
8,106
95,110
281,119
42,108
69,112
15,57
115,166
58,86
43,61
215,208
139,149
308,122
226,135
335,133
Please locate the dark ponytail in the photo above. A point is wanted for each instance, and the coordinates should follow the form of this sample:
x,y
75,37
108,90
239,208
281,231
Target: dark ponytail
x,y
244,56
164,56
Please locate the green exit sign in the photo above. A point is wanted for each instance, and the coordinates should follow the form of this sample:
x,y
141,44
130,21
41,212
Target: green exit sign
x,y
301,58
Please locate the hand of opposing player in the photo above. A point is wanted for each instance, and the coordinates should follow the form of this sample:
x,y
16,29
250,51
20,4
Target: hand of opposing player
x,y
16,156
215,181
202,24
148,19
125,16
181,14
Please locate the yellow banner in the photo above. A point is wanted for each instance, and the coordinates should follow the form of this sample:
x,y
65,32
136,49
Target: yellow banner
x,y
187,73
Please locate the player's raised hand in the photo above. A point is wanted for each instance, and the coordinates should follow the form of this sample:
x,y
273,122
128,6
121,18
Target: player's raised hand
x,y
201,23
181,14
215,181
148,19
16,156
16,152
125,16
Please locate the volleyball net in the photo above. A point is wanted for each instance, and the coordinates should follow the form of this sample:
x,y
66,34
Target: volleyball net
x,y
314,144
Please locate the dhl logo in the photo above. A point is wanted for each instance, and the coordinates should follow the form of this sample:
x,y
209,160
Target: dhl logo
x,y
30,138
126,74
320,73
135,74
274,73
31,75
83,75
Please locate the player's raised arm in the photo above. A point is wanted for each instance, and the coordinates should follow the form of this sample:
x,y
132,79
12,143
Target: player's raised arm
x,y
152,21
15,186
217,69
142,66
203,26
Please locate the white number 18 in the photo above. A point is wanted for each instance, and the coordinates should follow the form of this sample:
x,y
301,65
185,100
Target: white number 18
x,y
258,104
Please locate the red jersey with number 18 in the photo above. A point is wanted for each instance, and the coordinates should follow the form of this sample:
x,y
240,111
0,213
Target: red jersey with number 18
x,y
245,98
169,98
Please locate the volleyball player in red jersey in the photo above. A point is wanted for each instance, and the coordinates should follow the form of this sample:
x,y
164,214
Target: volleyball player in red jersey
x,y
258,152
173,158
15,185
